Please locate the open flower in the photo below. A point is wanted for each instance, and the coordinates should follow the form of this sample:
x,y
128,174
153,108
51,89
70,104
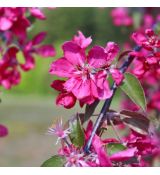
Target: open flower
x,y
58,131
149,56
86,74
74,157
149,41
33,47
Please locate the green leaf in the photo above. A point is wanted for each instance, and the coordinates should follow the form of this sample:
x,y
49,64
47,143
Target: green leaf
x,y
77,133
114,148
132,87
55,161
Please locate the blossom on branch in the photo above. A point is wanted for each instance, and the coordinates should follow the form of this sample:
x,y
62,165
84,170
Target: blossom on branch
x,y
14,25
86,75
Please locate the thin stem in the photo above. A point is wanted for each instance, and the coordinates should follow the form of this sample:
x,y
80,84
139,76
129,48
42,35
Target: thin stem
x,y
107,103
116,132
66,141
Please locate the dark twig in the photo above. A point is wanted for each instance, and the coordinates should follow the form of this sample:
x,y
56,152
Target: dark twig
x,y
107,103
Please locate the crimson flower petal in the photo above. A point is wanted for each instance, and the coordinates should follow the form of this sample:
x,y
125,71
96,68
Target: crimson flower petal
x,y
62,67
3,131
46,51
124,155
39,38
73,53
36,12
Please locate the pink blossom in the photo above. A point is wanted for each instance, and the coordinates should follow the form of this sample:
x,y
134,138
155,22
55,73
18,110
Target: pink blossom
x,y
32,47
66,99
5,24
9,74
117,76
86,75
81,40
74,157
154,102
46,51
149,56
8,17
146,145
36,12
100,149
14,24
121,17
149,41
3,131
123,155
21,31
101,158
58,130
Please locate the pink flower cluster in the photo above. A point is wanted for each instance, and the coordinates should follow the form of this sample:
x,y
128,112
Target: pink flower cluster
x,y
85,78
14,25
138,150
146,65
149,57
86,74
121,17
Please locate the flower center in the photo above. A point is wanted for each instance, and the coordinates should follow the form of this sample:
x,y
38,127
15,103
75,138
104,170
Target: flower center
x,y
84,71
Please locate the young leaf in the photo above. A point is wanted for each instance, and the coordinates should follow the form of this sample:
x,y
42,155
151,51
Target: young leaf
x,y
132,87
114,148
77,133
55,161
136,121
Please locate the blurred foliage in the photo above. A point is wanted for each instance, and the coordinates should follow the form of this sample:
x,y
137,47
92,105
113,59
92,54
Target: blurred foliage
x,y
61,24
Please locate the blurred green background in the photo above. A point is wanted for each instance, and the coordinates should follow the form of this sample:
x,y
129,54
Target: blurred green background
x,y
28,109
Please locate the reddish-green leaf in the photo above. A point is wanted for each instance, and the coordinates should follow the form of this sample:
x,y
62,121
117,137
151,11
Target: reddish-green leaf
x,y
136,121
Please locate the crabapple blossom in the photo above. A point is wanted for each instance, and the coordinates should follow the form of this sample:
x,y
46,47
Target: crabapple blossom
x,y
86,75
149,57
14,25
150,41
66,99
116,75
85,78
74,157
136,148
121,17
58,131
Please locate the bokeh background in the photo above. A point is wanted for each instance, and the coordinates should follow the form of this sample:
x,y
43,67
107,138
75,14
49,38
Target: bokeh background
x,y
28,109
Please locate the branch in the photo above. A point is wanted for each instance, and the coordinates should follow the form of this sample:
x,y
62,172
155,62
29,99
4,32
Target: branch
x,y
107,103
